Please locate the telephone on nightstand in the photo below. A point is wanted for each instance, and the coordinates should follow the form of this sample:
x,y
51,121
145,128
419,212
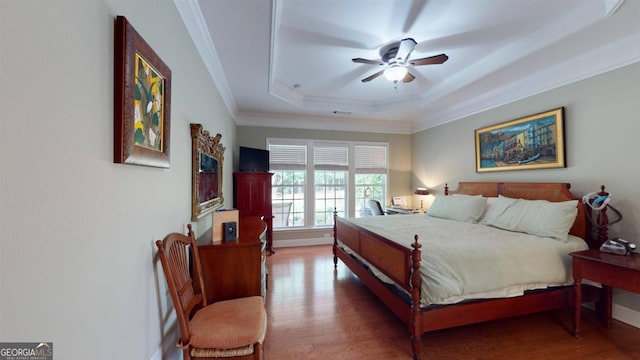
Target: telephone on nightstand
x,y
618,247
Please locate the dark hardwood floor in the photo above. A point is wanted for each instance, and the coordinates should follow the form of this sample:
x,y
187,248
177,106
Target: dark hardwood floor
x,y
316,312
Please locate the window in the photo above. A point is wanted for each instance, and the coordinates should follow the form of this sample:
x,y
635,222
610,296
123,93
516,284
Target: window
x,y
331,169
288,198
370,177
332,175
288,163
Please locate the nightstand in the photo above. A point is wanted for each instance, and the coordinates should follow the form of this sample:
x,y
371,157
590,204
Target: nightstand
x,y
610,270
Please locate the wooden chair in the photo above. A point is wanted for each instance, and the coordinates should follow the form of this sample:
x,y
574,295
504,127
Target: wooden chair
x,y
230,329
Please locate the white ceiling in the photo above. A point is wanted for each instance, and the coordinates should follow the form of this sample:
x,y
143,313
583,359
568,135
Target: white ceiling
x,y
287,63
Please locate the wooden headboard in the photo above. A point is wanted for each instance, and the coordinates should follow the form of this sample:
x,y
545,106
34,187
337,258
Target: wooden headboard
x,y
532,191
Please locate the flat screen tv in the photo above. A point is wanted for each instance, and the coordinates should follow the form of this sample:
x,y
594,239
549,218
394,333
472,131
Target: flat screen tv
x,y
253,159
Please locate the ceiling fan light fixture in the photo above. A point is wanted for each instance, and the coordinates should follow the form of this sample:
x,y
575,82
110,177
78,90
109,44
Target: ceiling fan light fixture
x,y
395,72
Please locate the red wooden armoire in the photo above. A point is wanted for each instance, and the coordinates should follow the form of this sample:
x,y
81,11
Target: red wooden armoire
x,y
252,197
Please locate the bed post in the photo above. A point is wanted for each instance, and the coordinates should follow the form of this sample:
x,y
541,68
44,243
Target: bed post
x,y
446,189
416,283
335,238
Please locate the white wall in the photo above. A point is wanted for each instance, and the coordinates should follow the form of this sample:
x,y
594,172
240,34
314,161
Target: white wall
x,y
77,259
602,138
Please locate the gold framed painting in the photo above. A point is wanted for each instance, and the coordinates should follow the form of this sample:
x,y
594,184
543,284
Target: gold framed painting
x,y
142,100
207,158
532,142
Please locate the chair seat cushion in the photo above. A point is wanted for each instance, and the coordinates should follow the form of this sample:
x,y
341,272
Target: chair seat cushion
x,y
229,324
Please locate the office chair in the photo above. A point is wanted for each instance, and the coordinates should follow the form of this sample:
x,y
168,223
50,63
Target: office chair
x,y
376,208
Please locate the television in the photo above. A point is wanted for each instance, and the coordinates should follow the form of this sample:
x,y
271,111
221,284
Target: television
x,y
253,159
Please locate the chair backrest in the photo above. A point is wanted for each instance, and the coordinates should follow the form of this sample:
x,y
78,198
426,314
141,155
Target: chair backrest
x,y
376,208
175,252
281,212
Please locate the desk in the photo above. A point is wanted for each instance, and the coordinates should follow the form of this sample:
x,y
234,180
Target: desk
x,y
402,211
610,270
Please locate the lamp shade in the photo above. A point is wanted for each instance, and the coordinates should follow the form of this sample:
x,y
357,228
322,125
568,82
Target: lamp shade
x,y
395,72
421,191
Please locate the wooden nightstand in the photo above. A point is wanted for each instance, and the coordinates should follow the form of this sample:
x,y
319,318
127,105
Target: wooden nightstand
x,y
608,269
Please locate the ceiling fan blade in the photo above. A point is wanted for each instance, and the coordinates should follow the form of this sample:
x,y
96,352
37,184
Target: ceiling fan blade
x,y
405,48
408,78
431,60
367,61
416,8
369,78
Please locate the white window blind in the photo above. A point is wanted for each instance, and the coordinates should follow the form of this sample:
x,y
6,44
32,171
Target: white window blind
x,y
330,156
371,159
287,157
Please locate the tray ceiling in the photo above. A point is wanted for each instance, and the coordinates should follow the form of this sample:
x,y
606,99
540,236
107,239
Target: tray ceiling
x,y
287,63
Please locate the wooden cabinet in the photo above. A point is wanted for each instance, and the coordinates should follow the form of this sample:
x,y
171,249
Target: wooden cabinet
x,y
235,269
252,197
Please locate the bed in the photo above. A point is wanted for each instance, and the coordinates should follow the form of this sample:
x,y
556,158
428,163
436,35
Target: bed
x,y
392,269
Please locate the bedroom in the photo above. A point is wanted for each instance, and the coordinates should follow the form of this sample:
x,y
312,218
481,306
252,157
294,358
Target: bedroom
x,y
67,212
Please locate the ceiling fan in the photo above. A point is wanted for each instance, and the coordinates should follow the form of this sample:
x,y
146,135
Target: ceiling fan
x,y
395,58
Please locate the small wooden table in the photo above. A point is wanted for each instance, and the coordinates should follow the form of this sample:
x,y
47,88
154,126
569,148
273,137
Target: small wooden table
x,y
607,269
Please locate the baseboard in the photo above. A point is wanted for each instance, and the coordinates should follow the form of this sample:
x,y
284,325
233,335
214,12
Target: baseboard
x,y
157,355
302,242
626,315
167,349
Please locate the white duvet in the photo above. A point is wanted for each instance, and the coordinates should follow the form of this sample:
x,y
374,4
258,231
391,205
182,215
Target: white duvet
x,y
463,261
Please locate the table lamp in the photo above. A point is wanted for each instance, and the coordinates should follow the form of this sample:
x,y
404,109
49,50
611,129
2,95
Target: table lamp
x,y
421,191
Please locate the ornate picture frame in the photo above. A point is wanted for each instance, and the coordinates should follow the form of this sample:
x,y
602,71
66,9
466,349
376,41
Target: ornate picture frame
x,y
207,159
531,142
142,100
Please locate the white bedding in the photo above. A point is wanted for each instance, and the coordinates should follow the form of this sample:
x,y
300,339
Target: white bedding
x,y
462,261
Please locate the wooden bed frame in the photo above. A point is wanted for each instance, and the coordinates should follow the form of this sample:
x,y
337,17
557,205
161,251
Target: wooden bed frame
x,y
401,264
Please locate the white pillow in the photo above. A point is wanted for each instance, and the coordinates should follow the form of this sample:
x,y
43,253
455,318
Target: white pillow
x,y
490,202
458,207
536,217
496,207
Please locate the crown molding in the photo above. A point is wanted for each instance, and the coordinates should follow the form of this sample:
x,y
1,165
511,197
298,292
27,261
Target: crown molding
x,y
611,6
193,20
600,60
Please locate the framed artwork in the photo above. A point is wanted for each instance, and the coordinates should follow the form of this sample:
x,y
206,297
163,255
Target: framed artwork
x,y
142,100
531,142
